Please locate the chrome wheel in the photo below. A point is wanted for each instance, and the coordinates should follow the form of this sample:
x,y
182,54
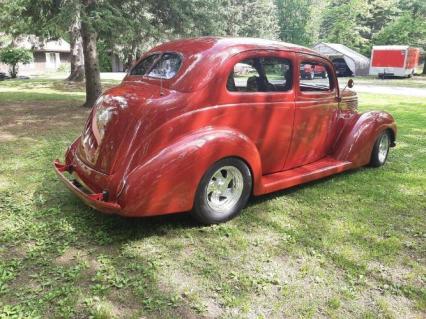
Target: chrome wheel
x,y
224,189
383,148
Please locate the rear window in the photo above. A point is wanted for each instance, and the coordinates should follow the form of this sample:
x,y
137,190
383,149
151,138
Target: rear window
x,y
164,66
145,65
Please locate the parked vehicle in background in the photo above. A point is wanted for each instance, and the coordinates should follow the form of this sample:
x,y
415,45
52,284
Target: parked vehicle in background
x,y
310,71
4,76
187,131
341,67
396,60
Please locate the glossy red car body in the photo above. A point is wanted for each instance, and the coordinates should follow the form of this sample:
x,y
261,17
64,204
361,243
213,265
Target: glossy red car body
x,y
162,135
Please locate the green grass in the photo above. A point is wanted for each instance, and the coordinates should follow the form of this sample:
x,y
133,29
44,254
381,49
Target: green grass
x,y
352,245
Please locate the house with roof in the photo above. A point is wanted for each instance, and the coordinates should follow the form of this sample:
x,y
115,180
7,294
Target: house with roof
x,y
357,63
48,56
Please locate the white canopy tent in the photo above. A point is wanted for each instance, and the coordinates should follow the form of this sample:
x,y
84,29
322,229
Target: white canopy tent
x,y
357,63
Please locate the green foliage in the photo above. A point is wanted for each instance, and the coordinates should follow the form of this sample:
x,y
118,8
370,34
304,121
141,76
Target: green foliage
x,y
253,18
37,17
360,24
379,13
406,29
13,56
340,22
294,17
104,54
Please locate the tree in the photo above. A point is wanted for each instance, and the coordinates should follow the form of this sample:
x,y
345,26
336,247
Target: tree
x,y
46,19
76,46
341,23
293,17
379,14
417,10
91,63
251,18
13,56
409,28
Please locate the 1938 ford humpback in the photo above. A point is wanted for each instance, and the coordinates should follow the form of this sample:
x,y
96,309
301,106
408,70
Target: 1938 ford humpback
x,y
201,124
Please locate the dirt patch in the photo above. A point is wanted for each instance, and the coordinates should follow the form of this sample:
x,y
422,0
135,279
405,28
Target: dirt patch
x,y
191,289
72,256
25,119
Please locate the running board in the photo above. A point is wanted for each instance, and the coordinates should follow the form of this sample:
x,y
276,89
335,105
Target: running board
x,y
303,174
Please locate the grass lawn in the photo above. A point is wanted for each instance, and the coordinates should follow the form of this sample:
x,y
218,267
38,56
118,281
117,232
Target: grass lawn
x,y
349,246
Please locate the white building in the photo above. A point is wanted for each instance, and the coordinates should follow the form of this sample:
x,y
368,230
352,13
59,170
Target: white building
x,y
48,56
356,62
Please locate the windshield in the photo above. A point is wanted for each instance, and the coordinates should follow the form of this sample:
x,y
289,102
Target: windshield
x,y
164,66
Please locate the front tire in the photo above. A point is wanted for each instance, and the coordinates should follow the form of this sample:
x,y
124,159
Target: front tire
x,y
380,151
223,192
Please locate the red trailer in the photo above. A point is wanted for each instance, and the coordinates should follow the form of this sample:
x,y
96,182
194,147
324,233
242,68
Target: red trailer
x,y
396,60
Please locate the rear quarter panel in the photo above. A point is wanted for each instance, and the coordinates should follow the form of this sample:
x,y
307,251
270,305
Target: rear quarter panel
x,y
167,182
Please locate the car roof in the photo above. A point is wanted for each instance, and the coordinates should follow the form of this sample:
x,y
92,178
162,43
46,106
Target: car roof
x,y
204,56
235,44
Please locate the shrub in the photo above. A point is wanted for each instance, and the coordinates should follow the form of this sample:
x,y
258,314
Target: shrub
x,y
13,56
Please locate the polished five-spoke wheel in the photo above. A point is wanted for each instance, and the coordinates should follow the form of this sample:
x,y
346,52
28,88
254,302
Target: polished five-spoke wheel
x,y
380,150
223,191
224,188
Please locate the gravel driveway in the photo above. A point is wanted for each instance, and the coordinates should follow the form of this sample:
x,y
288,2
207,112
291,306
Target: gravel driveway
x,y
394,90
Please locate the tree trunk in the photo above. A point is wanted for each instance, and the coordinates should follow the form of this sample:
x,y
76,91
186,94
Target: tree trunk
x,y
13,71
77,59
91,63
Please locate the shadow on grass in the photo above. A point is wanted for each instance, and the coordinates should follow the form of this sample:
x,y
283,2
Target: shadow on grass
x,y
109,237
16,97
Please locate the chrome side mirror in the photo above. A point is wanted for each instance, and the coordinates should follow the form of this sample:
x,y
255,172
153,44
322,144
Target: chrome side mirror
x,y
350,85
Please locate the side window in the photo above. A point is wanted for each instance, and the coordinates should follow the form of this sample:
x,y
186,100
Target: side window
x,y
243,77
278,73
260,75
314,76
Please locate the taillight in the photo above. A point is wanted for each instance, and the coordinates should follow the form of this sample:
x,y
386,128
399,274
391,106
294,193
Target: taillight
x,y
102,117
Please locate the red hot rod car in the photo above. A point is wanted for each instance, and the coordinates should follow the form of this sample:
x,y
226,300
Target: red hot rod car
x,y
187,131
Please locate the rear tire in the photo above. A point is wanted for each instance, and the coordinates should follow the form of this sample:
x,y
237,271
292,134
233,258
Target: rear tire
x,y
380,151
223,192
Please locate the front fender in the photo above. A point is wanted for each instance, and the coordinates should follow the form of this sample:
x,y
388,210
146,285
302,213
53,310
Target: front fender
x,y
358,137
167,182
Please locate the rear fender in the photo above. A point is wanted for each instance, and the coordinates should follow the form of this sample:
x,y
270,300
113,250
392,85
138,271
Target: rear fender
x,y
358,137
70,152
167,182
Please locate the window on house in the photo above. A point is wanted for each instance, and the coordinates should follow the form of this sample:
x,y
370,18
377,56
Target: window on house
x,y
50,58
